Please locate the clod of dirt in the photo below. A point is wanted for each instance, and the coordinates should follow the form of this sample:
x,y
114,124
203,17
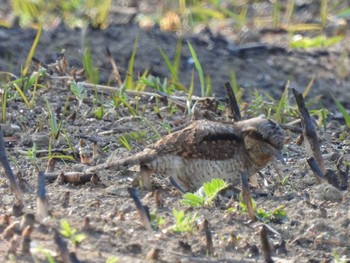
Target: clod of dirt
x,y
327,192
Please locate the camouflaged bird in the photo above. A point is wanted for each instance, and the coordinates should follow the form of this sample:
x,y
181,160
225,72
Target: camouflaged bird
x,y
207,149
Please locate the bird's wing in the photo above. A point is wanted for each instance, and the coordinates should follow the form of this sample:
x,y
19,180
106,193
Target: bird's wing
x,y
202,139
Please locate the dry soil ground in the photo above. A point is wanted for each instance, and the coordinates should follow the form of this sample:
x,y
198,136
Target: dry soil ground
x,y
316,228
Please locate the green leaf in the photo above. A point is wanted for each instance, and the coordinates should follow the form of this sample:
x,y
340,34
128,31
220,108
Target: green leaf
x,y
193,200
129,82
32,51
345,13
343,111
79,238
66,229
198,68
99,112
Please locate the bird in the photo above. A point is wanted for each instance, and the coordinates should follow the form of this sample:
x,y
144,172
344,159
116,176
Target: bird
x,y
207,149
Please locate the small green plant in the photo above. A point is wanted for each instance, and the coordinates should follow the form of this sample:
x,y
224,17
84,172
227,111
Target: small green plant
x,y
199,69
173,68
277,214
54,125
79,92
22,86
112,259
125,142
99,112
3,105
343,111
32,153
324,12
48,254
74,13
91,71
156,221
210,191
315,42
183,222
71,233
129,80
157,84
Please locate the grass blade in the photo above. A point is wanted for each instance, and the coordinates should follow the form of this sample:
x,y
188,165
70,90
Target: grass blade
x,y
23,96
198,68
177,57
32,51
169,65
91,71
3,105
343,111
129,82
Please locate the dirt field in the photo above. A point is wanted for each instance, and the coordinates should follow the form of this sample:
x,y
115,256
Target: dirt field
x,y
316,228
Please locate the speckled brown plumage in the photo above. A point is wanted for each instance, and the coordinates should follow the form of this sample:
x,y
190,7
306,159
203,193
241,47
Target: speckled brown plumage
x,y
206,149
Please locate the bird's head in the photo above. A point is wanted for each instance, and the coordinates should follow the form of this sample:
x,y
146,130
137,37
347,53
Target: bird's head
x,y
263,140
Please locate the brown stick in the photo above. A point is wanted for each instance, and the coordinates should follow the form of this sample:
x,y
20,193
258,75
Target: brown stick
x,y
265,245
311,141
246,196
42,204
8,171
316,170
142,209
208,237
233,102
63,250
69,177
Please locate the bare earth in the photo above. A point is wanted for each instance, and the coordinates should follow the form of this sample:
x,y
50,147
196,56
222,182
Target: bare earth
x,y
316,228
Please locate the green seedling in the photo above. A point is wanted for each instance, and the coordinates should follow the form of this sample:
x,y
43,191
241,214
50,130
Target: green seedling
x,y
324,12
173,68
276,215
199,69
155,83
32,51
183,222
236,89
343,111
113,259
210,191
91,71
139,136
129,81
344,13
119,99
98,17
3,105
125,142
99,113
315,42
48,254
156,221
283,106
79,92
32,153
71,233
74,13
54,126
26,83
190,107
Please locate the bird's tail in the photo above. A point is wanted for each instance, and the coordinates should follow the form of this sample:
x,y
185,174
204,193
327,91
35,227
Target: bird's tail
x,y
145,156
